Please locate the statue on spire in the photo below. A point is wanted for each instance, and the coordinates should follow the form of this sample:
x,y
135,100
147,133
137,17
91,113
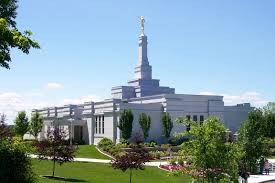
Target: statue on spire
x,y
142,21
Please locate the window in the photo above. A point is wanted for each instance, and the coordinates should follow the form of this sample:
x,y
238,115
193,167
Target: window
x,y
188,117
195,118
99,124
188,127
96,124
102,124
201,118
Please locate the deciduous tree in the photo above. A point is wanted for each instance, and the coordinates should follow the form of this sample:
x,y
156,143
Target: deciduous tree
x,y
270,107
10,36
36,124
125,123
56,147
213,157
5,131
251,141
145,123
134,159
21,124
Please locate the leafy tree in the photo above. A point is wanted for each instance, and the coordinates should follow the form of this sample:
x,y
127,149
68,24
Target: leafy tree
x,y
125,123
186,122
269,124
36,124
21,124
134,159
269,120
213,157
270,107
251,141
15,165
5,131
167,124
56,147
10,36
145,123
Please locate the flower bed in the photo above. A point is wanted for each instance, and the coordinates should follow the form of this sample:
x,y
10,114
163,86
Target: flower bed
x,y
171,167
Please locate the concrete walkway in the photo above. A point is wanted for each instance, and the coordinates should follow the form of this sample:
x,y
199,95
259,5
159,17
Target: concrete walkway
x,y
92,160
262,178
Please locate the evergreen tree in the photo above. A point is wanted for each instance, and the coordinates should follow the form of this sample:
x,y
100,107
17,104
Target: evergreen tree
x,y
167,124
145,123
125,123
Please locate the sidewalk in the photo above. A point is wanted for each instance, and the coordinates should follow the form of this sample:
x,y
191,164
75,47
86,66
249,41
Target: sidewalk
x,y
262,178
91,160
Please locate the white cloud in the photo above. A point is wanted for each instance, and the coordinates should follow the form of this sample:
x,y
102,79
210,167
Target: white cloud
x,y
11,102
206,93
81,100
53,85
256,99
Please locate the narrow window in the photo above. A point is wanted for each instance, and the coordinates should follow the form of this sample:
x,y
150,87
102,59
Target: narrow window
x,y
188,127
99,124
195,118
96,124
188,117
201,119
102,124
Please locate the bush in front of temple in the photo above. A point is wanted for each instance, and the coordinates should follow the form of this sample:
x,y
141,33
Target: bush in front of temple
x,y
15,165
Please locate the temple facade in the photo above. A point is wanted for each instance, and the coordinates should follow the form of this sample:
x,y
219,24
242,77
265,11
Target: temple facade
x,y
92,121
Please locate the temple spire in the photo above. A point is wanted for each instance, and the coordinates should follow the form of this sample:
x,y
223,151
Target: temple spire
x,y
142,21
143,69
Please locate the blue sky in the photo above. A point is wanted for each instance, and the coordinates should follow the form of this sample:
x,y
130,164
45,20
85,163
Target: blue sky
x,y
197,46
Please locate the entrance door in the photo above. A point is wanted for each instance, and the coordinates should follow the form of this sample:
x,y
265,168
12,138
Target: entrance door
x,y
78,133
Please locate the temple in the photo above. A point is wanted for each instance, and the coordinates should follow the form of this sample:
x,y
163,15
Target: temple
x,y
92,121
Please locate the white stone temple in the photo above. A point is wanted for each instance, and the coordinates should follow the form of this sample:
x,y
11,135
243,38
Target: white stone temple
x,y
93,121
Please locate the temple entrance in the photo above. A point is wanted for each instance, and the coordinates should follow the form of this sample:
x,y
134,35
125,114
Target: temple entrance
x,y
78,133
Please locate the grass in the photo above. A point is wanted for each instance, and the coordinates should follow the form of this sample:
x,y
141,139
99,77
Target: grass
x,y
89,151
101,173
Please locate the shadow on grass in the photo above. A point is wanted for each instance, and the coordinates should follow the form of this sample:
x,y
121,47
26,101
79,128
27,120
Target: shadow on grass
x,y
63,179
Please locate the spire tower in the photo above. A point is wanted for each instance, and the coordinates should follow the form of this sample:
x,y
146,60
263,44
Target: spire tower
x,y
143,70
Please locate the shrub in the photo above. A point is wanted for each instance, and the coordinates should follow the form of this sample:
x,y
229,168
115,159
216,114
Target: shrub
x,y
124,141
175,141
181,161
105,142
165,145
115,150
15,165
156,154
173,161
150,144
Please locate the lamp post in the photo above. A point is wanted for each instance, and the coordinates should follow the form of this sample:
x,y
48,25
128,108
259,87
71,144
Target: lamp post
x,y
71,130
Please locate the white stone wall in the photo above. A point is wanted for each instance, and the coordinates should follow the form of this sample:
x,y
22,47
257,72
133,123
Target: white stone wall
x,y
235,115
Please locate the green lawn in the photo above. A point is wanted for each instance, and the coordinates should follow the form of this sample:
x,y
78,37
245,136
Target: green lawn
x,y
89,151
102,173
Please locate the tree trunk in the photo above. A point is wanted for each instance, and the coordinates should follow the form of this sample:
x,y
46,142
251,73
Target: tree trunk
x,y
130,175
53,167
